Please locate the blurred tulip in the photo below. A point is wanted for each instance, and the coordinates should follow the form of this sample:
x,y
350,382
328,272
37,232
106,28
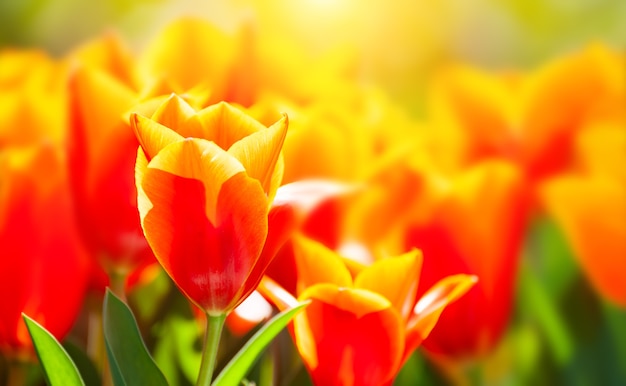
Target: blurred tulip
x,y
476,228
591,212
33,99
599,150
589,204
102,151
109,55
360,330
531,119
206,201
44,268
167,57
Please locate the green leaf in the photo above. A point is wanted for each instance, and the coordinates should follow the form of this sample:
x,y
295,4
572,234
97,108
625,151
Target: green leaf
x,y
87,369
58,367
238,367
130,362
551,258
533,297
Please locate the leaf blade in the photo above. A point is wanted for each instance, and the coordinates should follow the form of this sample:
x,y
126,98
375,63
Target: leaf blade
x,y
237,368
129,360
59,368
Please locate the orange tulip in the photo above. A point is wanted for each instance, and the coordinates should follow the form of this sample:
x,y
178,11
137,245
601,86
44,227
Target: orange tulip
x,y
476,228
44,268
205,202
360,330
591,212
589,205
104,88
102,153
33,98
530,119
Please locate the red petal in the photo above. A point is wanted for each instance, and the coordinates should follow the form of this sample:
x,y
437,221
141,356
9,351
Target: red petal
x,y
349,336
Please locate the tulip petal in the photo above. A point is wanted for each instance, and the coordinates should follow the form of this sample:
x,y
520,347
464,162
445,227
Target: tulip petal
x,y
276,294
600,149
317,264
252,311
242,209
480,107
110,55
174,113
306,195
591,213
563,95
205,220
281,223
152,136
260,153
428,309
44,267
187,52
96,127
141,165
488,247
395,278
349,336
225,124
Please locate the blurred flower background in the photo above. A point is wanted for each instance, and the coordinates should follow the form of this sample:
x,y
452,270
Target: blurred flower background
x,y
489,135
398,43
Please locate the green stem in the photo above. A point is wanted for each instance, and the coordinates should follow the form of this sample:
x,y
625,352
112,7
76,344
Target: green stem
x,y
214,325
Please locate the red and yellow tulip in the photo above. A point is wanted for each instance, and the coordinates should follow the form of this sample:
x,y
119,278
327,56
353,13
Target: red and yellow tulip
x,y
364,322
590,206
205,183
476,228
44,267
530,119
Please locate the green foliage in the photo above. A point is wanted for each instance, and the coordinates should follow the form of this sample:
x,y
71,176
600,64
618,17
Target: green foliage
x,y
57,364
85,366
239,366
129,360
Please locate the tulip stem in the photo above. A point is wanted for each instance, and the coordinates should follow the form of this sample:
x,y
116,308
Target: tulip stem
x,y
212,336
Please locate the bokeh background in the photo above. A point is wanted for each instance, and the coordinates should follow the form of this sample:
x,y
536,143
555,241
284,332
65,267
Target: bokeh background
x,y
399,43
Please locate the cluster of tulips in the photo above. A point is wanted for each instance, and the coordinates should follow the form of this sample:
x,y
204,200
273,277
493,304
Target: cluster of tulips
x,y
259,179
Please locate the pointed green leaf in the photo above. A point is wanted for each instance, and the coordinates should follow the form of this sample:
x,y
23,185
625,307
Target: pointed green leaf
x,y
57,365
130,362
87,369
238,367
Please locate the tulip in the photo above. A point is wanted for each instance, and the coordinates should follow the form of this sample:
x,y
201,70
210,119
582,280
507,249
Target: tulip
x,y
102,150
476,228
33,98
589,207
590,211
359,330
233,181
44,267
530,119
206,181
